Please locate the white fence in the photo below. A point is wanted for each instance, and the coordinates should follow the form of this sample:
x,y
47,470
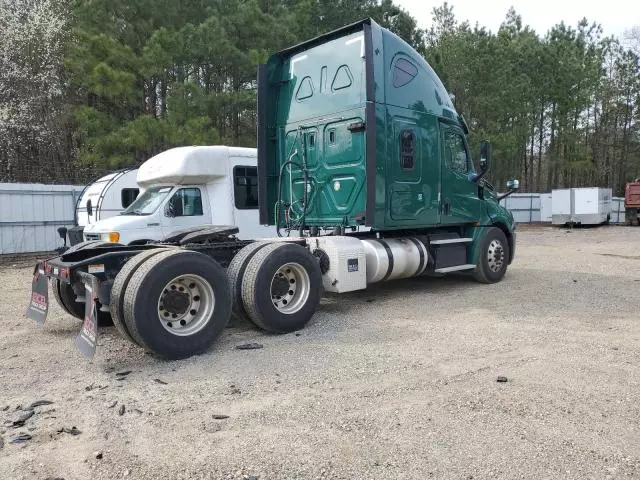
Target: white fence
x,y
31,213
536,207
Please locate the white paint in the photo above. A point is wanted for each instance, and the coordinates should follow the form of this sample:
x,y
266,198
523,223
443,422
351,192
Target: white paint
x,y
356,40
296,60
105,195
206,168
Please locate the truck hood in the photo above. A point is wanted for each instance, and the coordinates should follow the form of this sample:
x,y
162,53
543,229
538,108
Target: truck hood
x,y
119,223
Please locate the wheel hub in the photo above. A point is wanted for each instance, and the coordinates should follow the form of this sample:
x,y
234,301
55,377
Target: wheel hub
x,y
280,286
495,256
186,305
290,288
176,302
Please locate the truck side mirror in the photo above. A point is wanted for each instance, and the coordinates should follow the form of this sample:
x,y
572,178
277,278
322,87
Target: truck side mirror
x,y
513,185
485,156
485,160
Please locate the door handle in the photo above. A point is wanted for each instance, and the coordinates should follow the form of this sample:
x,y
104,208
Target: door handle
x,y
446,208
357,127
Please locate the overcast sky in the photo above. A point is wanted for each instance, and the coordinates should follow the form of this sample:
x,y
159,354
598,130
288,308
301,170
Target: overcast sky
x,y
615,16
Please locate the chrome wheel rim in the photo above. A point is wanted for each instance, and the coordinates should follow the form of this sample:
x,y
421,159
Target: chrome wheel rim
x,y
186,305
495,256
290,288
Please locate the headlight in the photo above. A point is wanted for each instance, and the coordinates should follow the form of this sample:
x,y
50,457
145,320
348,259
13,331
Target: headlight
x,y
112,237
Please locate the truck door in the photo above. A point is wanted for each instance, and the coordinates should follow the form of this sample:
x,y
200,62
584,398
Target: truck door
x,y
413,176
459,202
187,207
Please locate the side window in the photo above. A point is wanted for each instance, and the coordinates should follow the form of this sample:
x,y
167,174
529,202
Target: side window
x,y
403,72
245,187
407,149
128,195
186,202
456,156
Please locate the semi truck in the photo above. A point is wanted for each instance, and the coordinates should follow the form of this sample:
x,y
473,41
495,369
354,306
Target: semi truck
x,y
632,203
188,187
364,173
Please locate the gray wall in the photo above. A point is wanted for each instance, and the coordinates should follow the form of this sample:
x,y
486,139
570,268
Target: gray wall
x,y
31,213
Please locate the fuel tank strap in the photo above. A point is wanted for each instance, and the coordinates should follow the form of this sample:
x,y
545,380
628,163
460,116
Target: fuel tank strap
x,y
420,247
390,256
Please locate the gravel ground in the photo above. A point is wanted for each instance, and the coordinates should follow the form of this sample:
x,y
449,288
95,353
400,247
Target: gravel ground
x,y
398,382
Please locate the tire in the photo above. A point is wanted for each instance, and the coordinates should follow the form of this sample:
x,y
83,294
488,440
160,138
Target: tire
x,y
235,272
295,310
494,246
66,298
55,288
119,287
203,289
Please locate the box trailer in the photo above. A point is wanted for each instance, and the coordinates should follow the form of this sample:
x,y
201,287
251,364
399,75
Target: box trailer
x,y
581,206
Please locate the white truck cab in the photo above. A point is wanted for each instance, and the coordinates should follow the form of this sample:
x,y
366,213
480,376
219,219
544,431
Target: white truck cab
x,y
188,187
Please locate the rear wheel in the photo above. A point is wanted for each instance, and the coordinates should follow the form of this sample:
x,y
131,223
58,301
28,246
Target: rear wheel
x,y
177,303
66,298
120,285
493,258
281,287
235,272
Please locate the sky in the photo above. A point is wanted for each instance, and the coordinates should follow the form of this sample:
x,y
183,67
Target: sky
x,y
615,16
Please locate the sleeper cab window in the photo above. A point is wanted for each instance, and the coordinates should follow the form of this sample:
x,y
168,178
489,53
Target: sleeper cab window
x,y
128,195
407,149
186,202
245,187
456,152
403,72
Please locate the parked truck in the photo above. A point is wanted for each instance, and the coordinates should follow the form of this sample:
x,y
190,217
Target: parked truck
x,y
365,172
188,187
632,203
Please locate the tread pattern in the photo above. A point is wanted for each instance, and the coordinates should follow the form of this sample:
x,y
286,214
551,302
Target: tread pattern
x,y
148,281
116,307
235,273
480,274
249,281
133,288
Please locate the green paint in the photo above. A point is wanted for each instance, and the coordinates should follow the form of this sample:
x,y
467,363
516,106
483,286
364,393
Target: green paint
x,y
317,92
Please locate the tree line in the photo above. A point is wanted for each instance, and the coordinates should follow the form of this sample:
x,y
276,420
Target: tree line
x,y
87,86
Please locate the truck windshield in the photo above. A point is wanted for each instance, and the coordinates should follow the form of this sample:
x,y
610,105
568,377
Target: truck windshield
x,y
148,202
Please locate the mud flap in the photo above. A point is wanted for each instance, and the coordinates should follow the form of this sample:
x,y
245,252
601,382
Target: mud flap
x,y
39,305
88,337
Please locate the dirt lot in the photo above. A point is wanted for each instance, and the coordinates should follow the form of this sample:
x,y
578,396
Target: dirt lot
x,y
398,382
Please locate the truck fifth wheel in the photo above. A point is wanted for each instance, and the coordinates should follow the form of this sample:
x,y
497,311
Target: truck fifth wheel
x,y
365,175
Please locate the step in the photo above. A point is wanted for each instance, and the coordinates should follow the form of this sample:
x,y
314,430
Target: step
x,y
455,268
448,241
